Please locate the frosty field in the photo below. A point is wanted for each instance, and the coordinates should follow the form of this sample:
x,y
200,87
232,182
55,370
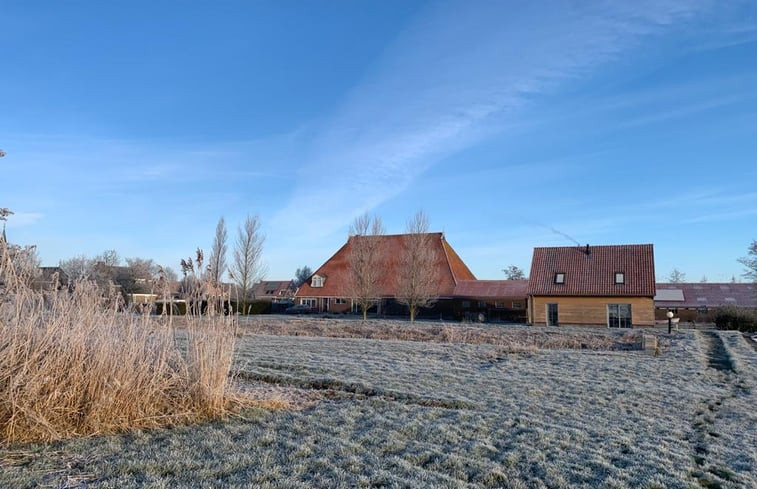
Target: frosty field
x,y
378,413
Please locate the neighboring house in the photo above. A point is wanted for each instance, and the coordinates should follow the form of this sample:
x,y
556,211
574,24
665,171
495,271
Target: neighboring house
x,y
274,290
492,300
699,302
327,290
610,286
51,278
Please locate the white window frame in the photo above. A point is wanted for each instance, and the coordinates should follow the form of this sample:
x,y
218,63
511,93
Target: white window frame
x,y
560,278
622,276
317,281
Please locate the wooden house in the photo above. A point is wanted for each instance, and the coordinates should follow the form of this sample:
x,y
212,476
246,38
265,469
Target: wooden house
x,y
611,286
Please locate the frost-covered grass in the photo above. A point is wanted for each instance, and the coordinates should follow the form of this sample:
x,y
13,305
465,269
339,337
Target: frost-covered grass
x,y
412,414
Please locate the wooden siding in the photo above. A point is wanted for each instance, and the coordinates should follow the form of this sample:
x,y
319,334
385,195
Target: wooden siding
x,y
591,311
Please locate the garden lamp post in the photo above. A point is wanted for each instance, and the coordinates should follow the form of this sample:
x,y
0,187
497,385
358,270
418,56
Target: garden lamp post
x,y
670,321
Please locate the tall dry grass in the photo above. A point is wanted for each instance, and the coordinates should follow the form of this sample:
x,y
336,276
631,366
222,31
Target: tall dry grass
x,y
74,364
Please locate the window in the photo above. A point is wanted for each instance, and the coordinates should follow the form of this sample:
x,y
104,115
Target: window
x,y
619,315
316,281
552,315
560,278
620,277
340,300
517,305
481,304
308,302
499,305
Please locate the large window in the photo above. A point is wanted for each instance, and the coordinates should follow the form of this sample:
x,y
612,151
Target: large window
x,y
619,315
308,302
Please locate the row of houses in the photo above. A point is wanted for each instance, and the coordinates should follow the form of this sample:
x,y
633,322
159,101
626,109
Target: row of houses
x,y
612,286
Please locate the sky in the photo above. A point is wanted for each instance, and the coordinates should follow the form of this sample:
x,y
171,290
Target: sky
x,y
135,126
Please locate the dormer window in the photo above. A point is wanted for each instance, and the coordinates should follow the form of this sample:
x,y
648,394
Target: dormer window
x,y
560,278
620,277
316,281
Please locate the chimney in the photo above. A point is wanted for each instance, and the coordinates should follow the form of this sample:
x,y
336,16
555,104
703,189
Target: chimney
x,y
588,251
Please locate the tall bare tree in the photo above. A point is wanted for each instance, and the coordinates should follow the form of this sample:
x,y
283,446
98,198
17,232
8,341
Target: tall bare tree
x,y
217,264
247,267
418,276
366,272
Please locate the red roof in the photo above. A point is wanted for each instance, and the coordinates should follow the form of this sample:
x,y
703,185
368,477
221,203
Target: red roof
x,y
708,294
451,268
480,289
593,273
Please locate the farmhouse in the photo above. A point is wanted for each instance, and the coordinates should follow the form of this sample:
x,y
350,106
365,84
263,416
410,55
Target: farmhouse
x,y
699,302
328,289
459,294
610,286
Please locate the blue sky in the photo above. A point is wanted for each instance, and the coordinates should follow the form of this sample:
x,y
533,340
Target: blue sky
x,y
135,125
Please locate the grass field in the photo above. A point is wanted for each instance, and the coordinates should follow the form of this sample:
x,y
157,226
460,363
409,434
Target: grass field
x,y
387,413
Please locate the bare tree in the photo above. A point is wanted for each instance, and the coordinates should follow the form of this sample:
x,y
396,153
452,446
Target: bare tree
x,y
676,276
247,267
109,258
77,267
418,277
750,262
366,273
217,264
514,273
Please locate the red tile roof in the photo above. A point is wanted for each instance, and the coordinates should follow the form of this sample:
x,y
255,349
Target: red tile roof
x,y
451,268
593,274
481,289
709,294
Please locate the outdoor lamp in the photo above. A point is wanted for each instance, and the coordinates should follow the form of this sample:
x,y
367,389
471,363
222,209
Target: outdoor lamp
x,y
670,321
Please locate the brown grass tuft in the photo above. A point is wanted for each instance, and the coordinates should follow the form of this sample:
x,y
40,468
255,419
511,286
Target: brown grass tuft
x,y
73,364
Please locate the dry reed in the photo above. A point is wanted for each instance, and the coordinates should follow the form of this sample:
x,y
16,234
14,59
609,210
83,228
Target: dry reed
x,y
73,364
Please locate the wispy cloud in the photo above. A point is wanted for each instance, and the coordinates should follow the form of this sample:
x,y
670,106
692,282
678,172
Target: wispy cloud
x,y
23,219
455,76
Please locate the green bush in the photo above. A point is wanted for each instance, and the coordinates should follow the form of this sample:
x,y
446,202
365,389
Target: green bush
x,y
254,307
739,318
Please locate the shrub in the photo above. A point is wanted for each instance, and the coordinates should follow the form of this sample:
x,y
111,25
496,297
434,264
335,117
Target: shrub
x,y
739,318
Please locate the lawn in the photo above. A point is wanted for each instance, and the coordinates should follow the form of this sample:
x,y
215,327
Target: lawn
x,y
386,413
